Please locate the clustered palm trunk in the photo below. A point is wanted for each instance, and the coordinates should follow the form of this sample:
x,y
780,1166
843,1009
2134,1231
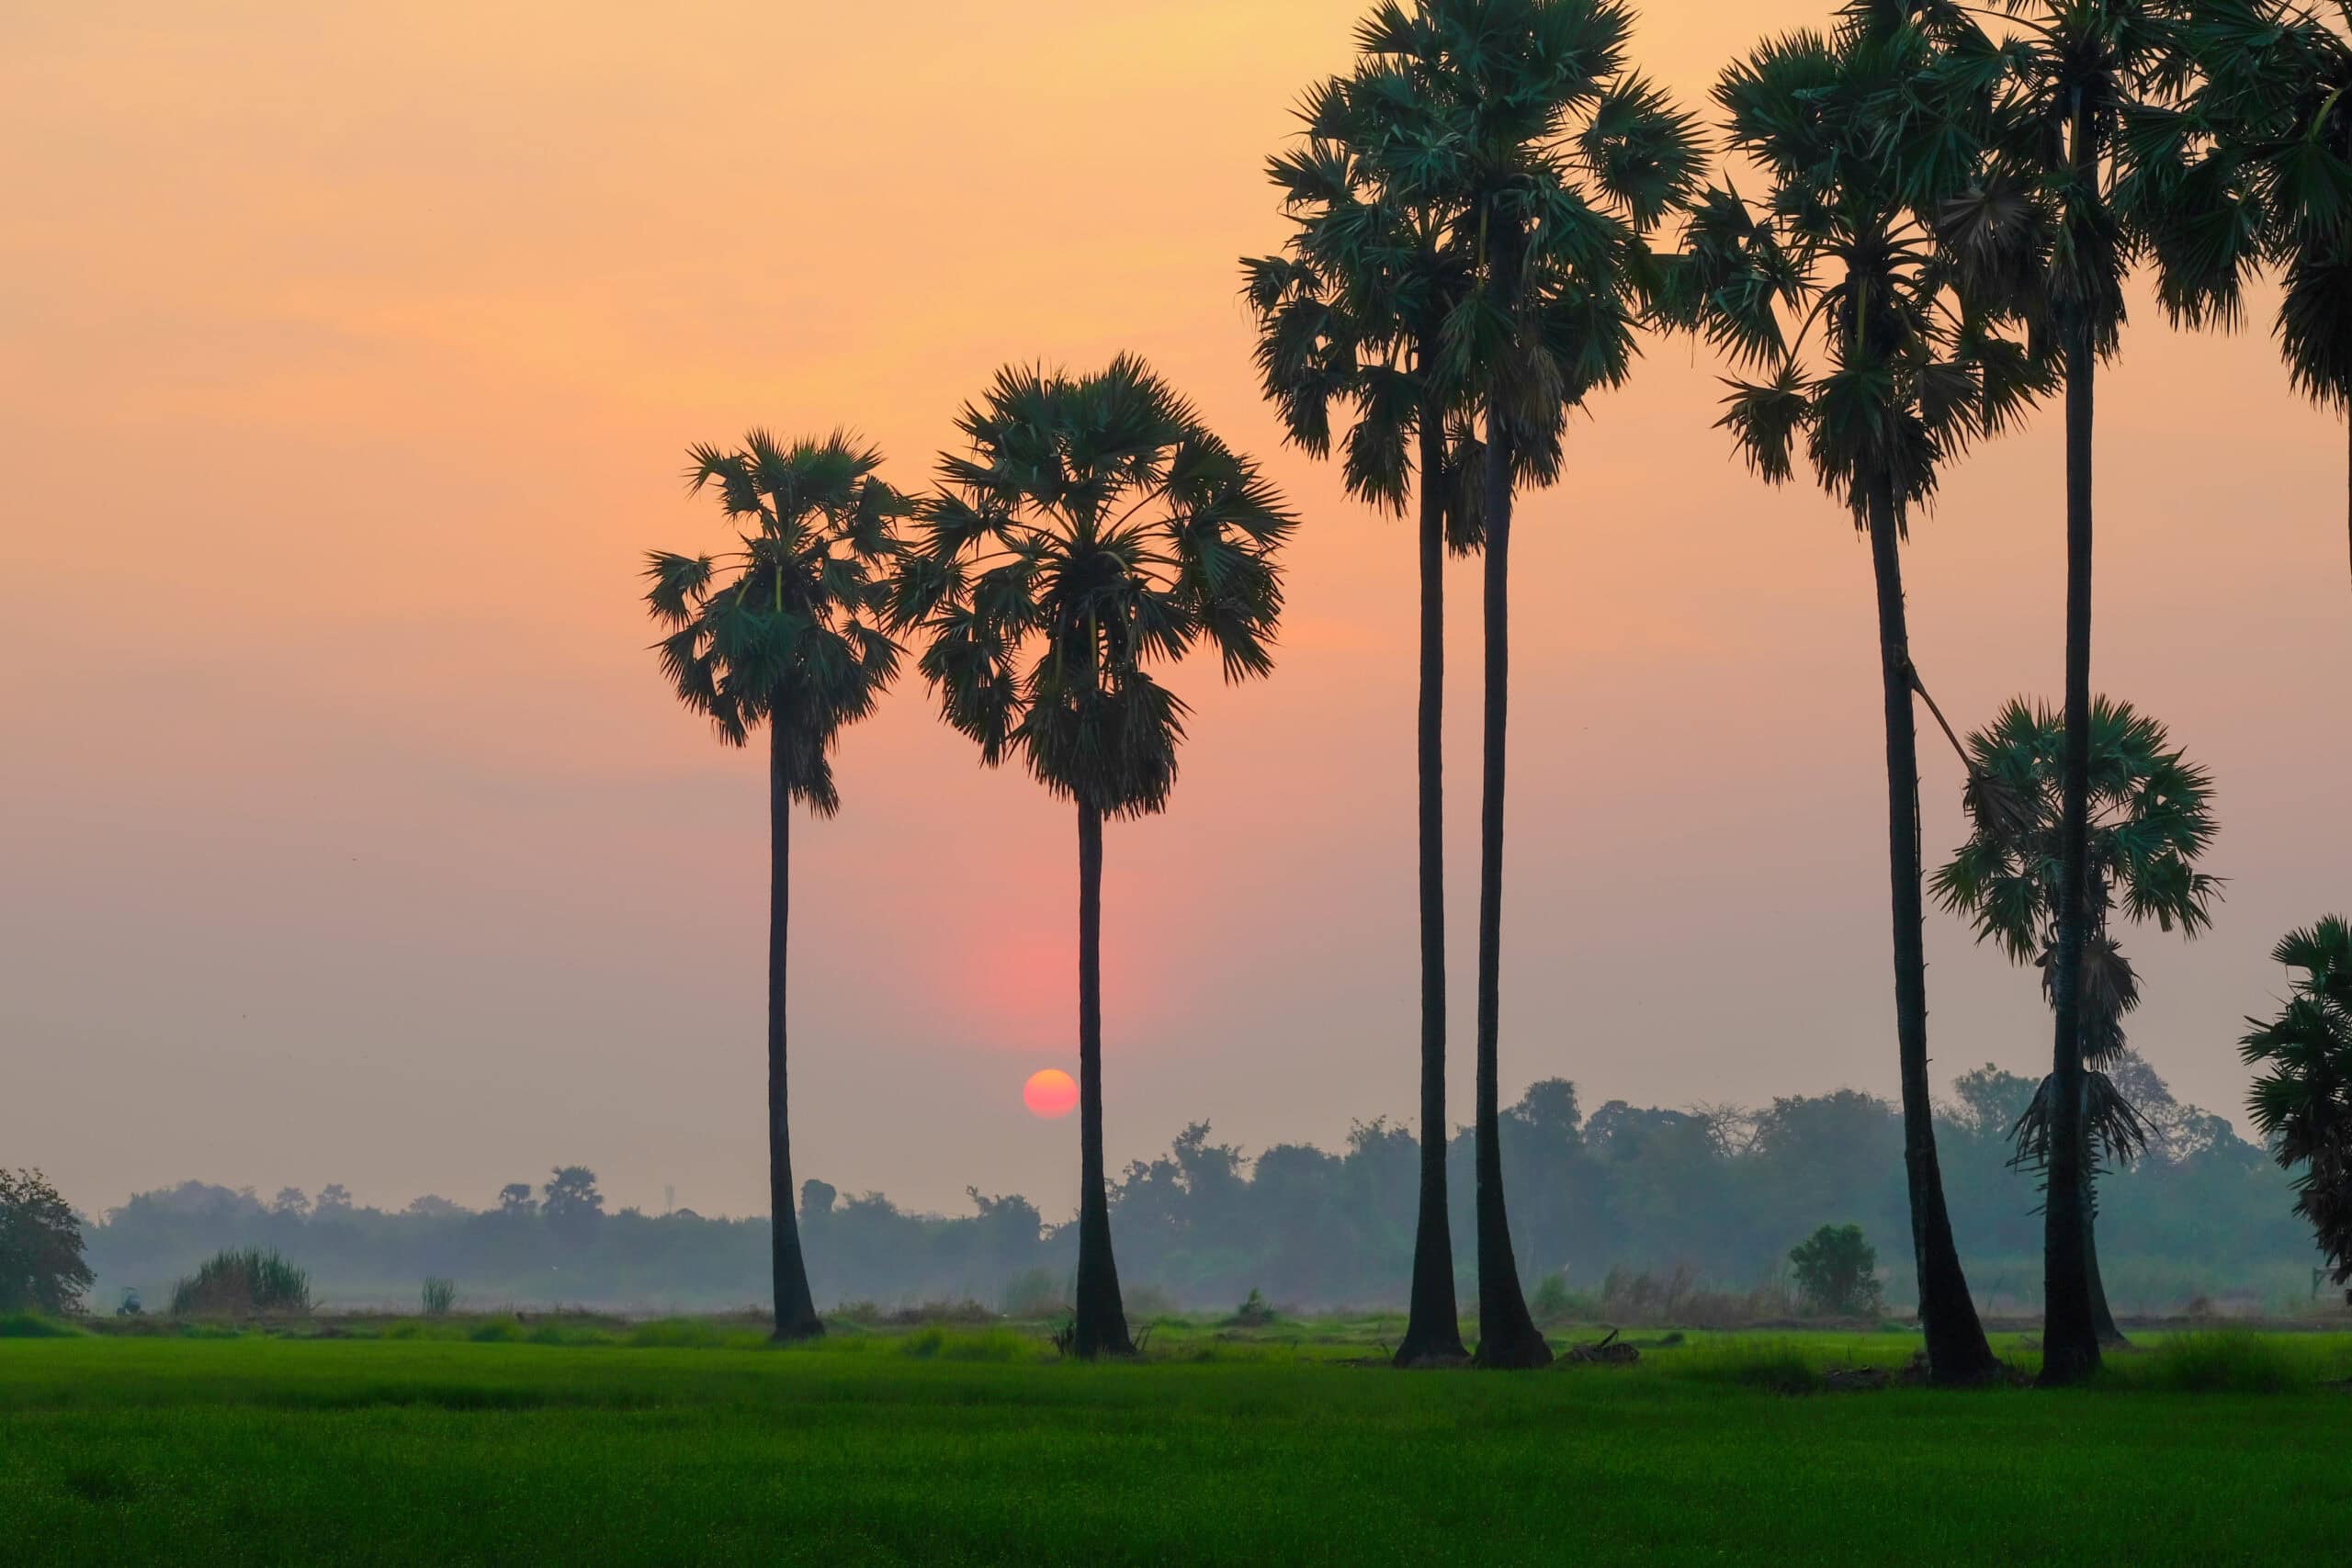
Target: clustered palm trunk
x,y
2070,1337
1956,1346
1432,1328
1507,1333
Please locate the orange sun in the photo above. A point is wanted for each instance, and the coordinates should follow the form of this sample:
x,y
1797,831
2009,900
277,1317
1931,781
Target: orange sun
x,y
1049,1093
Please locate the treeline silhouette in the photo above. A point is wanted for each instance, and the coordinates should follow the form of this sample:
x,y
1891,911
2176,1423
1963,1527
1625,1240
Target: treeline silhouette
x,y
1721,1192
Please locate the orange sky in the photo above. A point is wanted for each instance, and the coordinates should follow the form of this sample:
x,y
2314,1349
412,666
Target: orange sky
x,y
346,363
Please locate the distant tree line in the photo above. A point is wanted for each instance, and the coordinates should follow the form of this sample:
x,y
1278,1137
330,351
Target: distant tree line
x,y
1725,1190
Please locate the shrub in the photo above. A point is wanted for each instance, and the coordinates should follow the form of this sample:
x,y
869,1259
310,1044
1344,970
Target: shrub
x,y
41,1267
1253,1313
440,1296
248,1283
30,1325
1837,1273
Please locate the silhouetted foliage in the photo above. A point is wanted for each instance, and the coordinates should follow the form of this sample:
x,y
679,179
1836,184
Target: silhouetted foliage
x,y
41,1265
243,1282
1692,1209
1837,1273
2302,1101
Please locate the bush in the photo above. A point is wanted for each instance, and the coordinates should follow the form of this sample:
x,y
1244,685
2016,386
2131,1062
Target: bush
x,y
41,1267
1254,1313
440,1296
1837,1273
250,1284
30,1325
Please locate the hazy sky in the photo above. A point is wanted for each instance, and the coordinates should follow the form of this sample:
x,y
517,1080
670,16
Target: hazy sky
x,y
347,357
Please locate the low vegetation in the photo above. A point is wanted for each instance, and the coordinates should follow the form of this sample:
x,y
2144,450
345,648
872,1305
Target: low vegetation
x,y
192,1443
253,1282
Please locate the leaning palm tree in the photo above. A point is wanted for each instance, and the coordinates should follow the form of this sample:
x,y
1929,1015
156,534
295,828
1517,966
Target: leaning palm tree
x,y
2048,205
2303,1103
1551,165
2253,165
1351,315
1895,367
2151,818
784,632
1095,529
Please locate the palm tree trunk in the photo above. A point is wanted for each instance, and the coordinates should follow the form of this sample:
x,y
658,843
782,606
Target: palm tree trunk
x,y
796,1312
1507,1335
2070,1333
1957,1351
1433,1325
1101,1325
2109,1332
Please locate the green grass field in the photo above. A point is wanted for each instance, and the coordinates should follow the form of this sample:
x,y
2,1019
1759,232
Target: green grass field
x,y
467,1442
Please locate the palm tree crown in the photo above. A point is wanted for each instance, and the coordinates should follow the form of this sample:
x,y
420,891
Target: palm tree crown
x,y
1899,361
785,630
2302,1103
1548,164
2253,166
1096,528
2151,818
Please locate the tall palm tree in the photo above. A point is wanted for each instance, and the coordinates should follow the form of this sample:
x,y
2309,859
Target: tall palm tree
x,y
2253,165
1095,529
2303,1103
1896,366
1351,313
784,632
2151,818
2077,71
1553,164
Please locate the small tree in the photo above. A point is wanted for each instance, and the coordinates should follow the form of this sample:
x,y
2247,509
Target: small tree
x,y
1837,1273
518,1201
41,1269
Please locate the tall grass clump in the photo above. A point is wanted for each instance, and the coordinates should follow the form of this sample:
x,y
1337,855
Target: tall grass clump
x,y
1780,1366
252,1282
440,1296
2227,1362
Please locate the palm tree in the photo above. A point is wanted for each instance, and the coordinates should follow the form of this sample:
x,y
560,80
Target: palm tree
x,y
781,631
1351,313
2302,1104
1551,165
1896,366
2151,817
2078,71
2255,165
1095,529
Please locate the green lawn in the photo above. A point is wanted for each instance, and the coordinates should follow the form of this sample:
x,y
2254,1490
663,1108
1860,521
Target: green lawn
x,y
981,1447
